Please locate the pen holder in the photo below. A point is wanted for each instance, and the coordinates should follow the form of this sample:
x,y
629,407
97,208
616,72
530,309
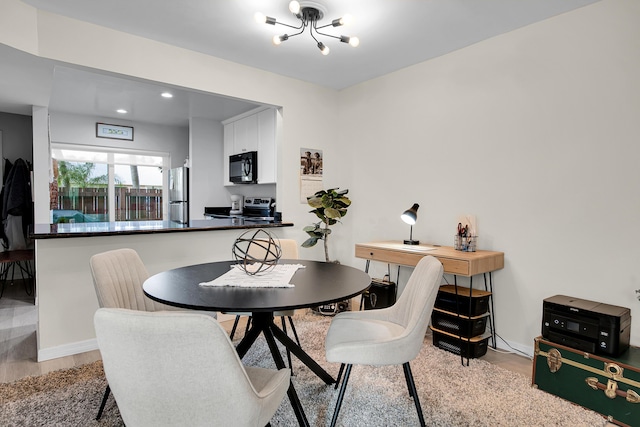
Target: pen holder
x,y
466,244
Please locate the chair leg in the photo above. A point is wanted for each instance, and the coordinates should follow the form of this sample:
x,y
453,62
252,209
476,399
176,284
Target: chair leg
x,y
347,372
104,402
406,378
412,391
3,276
233,329
339,375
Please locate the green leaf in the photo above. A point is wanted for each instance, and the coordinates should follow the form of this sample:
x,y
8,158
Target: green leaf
x,y
309,228
315,202
332,213
309,242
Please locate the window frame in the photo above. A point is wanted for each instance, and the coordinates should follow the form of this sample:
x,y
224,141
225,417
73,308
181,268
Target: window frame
x,y
111,152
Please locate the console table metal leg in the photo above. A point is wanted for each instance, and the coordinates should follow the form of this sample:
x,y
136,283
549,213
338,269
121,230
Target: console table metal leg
x,y
492,316
455,286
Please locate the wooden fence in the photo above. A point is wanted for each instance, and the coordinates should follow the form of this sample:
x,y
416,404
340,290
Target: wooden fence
x,y
131,204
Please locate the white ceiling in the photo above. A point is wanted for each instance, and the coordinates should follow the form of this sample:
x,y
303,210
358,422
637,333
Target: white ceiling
x,y
393,34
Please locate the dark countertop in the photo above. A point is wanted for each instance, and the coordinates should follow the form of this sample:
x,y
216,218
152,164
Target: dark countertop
x,y
93,229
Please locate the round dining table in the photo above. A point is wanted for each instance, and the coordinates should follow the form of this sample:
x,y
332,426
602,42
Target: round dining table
x,y
317,283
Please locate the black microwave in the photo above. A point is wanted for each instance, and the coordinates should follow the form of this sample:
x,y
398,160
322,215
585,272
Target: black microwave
x,y
243,168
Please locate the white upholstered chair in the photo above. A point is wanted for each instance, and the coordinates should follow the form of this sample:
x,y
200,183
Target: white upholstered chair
x,y
180,368
118,276
389,336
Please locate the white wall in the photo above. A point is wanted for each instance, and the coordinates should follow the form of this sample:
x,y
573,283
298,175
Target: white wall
x,y
206,161
536,132
77,129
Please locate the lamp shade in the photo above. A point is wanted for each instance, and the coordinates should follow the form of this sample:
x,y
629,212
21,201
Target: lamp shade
x,y
410,215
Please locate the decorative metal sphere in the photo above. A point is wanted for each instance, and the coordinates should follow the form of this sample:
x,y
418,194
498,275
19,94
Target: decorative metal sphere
x,y
257,251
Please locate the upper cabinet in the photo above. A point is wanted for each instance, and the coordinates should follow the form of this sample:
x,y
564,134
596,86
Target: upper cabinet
x,y
254,131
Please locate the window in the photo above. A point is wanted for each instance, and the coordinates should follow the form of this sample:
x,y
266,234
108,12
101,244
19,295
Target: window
x,y
99,184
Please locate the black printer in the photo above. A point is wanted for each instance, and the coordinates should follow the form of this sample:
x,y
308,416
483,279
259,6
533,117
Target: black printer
x,y
586,325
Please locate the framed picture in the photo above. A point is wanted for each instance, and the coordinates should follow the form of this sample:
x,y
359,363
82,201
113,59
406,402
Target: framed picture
x,y
104,130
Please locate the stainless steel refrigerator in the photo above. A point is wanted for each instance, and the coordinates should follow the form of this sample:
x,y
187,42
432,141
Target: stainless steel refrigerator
x,y
179,195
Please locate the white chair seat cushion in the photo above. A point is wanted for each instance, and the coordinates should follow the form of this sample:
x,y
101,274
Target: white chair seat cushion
x,y
362,341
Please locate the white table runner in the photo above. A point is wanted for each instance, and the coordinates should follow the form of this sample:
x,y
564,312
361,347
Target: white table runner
x,y
277,277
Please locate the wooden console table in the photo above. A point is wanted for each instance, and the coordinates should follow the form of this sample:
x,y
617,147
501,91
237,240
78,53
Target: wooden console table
x,y
457,263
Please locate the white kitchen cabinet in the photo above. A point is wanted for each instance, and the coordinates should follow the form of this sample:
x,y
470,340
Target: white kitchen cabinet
x,y
246,134
267,146
255,131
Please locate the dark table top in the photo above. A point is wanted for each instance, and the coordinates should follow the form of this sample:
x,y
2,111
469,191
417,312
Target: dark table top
x,y
317,284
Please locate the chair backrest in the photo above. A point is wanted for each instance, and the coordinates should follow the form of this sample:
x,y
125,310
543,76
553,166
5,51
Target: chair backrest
x,y
176,368
118,276
289,249
413,308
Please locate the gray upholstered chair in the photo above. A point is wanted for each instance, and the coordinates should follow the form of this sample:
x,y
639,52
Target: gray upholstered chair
x,y
118,276
389,336
289,249
180,368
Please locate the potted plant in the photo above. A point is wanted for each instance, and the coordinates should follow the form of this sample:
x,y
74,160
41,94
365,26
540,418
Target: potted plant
x,y
329,206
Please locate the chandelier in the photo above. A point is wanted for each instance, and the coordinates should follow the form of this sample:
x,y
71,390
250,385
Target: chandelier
x,y
309,13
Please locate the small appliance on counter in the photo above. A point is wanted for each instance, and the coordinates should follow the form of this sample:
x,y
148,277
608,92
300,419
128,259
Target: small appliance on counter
x,y
259,208
236,204
217,212
253,209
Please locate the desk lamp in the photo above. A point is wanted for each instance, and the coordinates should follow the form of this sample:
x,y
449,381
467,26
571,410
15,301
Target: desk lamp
x,y
409,216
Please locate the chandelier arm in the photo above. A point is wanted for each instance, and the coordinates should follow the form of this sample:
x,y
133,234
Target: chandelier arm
x,y
327,35
324,26
311,28
302,25
298,33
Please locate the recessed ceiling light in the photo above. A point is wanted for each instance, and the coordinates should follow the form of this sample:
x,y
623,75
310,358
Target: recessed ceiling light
x,y
167,95
121,111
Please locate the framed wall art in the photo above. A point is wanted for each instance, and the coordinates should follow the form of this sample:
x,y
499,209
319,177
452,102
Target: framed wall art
x,y
105,130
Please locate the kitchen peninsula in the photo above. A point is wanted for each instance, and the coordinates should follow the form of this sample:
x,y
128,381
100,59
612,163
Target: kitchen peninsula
x,y
65,295
88,229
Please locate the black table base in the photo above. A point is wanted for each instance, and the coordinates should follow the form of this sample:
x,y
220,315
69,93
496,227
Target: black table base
x,y
263,323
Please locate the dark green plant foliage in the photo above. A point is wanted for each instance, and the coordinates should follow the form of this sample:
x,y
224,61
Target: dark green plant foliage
x,y
329,207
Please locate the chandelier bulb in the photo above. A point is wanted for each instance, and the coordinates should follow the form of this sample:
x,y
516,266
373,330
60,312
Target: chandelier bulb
x,y
324,49
345,20
294,7
279,39
353,41
262,19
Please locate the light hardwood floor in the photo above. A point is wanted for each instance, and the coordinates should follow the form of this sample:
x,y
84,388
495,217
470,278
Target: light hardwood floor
x,y
18,319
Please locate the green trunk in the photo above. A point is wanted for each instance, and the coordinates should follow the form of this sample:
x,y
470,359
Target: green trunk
x,y
569,380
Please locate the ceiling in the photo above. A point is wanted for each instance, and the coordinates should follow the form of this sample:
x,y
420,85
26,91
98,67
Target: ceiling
x,y
393,34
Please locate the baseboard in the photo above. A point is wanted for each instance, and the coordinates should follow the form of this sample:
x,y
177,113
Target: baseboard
x,y
67,349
